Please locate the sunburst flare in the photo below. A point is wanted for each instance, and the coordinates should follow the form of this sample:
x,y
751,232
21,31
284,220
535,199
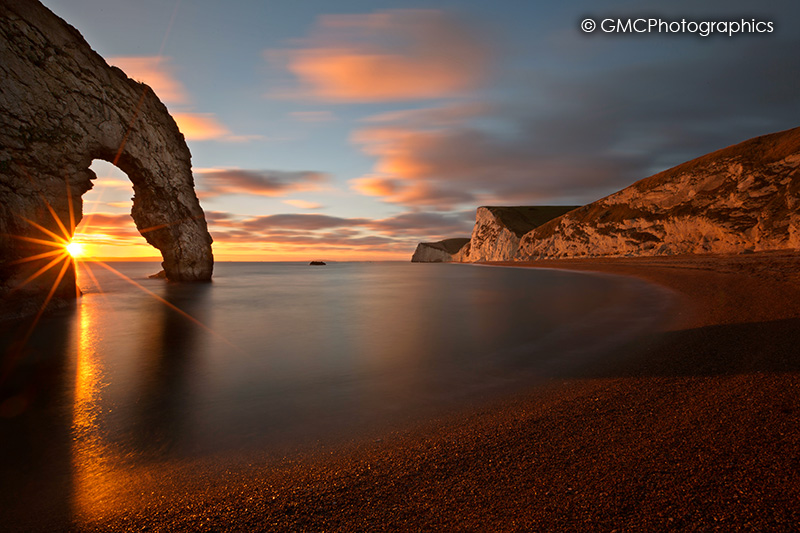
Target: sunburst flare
x,y
75,249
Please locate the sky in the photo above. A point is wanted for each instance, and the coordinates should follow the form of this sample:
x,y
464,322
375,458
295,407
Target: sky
x,y
352,130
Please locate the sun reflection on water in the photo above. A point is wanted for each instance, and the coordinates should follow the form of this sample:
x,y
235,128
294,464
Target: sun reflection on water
x,y
110,466
90,456
101,480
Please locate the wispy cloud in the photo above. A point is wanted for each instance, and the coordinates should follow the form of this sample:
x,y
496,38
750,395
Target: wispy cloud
x,y
217,182
108,220
158,73
583,138
396,233
117,184
155,71
206,127
388,56
421,225
291,233
200,126
304,222
303,204
443,115
110,228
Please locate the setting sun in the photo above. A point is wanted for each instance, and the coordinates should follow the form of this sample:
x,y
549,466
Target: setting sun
x,y
75,249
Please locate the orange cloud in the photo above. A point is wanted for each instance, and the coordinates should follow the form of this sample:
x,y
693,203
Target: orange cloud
x,y
106,220
413,167
446,158
111,235
206,127
297,236
156,72
303,204
267,251
111,183
284,236
378,186
390,56
200,126
404,228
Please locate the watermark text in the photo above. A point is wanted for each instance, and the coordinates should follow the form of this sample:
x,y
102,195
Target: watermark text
x,y
703,28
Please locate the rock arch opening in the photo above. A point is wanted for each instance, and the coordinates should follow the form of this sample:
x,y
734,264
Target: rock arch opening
x,y
63,107
107,230
165,209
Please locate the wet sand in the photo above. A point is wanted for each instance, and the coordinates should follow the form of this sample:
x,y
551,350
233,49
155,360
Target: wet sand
x,y
696,427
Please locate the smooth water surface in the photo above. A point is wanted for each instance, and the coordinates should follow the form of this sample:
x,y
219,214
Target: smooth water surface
x,y
274,356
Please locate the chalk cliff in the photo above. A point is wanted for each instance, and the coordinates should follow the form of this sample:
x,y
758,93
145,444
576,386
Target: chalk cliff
x,y
743,198
498,230
61,106
446,251
738,199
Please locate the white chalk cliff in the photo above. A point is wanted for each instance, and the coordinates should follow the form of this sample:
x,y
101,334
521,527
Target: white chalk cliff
x,y
446,251
740,199
498,230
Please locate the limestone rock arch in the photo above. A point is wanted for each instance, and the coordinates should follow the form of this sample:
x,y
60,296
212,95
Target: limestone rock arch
x,y
62,106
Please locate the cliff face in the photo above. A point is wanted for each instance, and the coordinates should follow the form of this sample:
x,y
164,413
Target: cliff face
x,y
61,106
741,198
446,251
498,230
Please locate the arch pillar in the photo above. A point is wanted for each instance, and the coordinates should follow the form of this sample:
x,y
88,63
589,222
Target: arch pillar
x,y
61,106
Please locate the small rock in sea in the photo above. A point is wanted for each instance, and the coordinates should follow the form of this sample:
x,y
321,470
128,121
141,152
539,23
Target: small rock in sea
x,y
317,263
158,275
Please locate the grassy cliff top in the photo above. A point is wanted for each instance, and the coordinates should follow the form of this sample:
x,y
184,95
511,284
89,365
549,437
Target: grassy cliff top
x,y
522,219
451,246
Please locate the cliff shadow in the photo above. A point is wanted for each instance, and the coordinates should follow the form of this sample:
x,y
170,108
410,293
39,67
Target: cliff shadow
x,y
35,426
162,421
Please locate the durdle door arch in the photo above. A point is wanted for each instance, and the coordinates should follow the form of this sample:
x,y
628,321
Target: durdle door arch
x,y
61,106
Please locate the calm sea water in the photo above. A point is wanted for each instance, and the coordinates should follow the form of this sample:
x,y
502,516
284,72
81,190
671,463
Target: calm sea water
x,y
274,356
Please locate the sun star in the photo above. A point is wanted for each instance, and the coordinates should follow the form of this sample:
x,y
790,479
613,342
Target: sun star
x,y
75,249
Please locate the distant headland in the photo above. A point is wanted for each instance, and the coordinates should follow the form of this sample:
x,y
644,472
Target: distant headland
x,y
740,199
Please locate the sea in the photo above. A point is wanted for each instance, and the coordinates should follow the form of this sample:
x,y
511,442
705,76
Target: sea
x,y
141,376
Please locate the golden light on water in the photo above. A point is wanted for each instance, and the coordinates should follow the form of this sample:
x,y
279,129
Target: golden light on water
x,y
90,456
103,479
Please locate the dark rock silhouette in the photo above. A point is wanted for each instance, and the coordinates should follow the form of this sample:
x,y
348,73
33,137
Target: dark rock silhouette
x,y
62,106
317,263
